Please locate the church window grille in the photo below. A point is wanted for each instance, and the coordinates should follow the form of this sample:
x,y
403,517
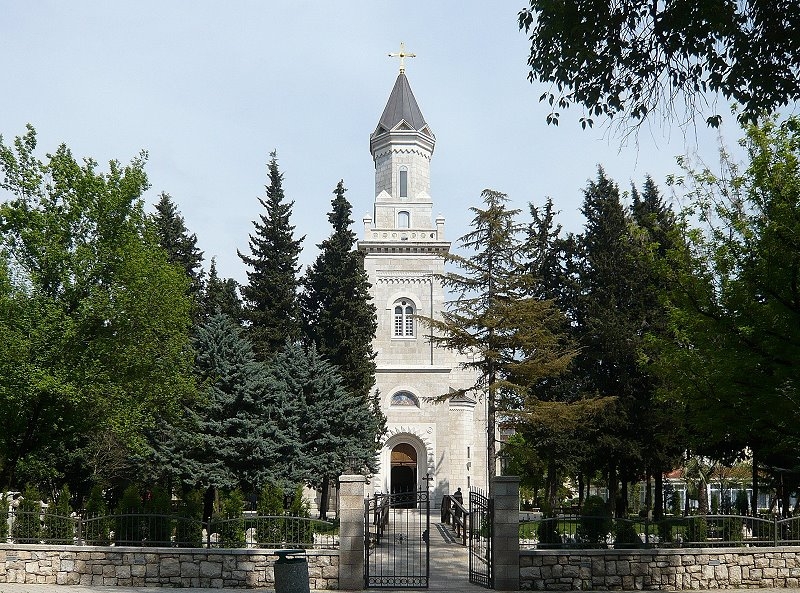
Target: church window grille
x,y
404,319
403,182
405,398
403,220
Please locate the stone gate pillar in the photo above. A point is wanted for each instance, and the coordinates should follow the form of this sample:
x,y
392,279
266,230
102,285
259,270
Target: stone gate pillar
x,y
505,569
351,532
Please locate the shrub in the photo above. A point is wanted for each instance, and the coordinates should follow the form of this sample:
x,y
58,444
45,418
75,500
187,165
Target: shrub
x,y
128,524
547,531
697,529
59,526
189,527
302,533
231,520
665,533
625,535
27,527
595,522
3,518
742,503
158,531
732,529
269,532
97,529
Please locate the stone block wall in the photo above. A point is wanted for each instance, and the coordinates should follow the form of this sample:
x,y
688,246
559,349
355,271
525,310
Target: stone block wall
x,y
154,567
676,569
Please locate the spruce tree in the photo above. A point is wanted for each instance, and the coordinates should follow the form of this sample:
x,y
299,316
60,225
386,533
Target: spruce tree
x,y
338,313
234,438
175,239
334,425
270,295
221,295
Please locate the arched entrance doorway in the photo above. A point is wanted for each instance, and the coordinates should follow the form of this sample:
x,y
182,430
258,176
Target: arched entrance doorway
x,y
404,474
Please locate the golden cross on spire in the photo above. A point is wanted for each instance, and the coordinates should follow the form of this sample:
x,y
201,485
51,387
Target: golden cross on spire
x,y
402,55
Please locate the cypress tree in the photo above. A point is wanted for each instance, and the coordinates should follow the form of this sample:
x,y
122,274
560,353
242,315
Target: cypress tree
x,y
270,295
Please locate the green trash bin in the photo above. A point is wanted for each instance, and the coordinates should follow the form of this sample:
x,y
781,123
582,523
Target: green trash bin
x,y
291,572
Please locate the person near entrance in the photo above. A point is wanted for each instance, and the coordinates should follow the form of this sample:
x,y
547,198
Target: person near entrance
x,y
458,497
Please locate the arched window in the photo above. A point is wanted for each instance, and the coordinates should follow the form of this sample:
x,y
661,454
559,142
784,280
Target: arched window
x,y
403,220
405,399
403,319
403,182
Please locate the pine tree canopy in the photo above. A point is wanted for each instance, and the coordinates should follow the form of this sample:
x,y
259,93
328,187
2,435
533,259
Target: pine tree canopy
x,y
270,295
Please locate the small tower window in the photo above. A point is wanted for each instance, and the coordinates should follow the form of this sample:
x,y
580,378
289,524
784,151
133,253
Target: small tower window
x,y
403,182
403,220
403,319
405,398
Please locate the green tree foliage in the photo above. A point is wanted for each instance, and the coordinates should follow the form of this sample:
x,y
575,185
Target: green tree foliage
x,y
189,526
732,360
269,531
333,425
180,245
27,525
338,313
230,521
339,317
59,526
97,319
270,295
221,295
638,58
97,528
237,437
128,524
512,336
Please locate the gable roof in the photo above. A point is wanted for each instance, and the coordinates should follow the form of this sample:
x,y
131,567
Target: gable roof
x,y
402,107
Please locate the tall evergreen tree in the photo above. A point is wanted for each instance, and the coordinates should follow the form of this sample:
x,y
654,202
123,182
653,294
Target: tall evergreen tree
x,y
512,336
175,239
235,437
221,295
334,425
338,313
270,295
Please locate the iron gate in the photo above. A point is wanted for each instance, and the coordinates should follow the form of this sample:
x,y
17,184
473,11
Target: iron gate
x,y
397,546
481,520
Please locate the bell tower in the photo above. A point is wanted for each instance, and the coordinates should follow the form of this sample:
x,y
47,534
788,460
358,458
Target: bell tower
x,y
428,443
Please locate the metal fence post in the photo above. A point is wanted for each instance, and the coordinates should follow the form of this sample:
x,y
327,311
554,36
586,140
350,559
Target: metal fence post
x,y
775,530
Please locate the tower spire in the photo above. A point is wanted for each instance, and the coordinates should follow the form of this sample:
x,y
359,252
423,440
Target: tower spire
x,y
402,54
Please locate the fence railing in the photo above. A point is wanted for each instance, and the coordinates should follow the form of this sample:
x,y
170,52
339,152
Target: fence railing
x,y
148,529
454,514
579,531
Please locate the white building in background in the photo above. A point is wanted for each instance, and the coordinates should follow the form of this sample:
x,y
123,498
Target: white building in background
x,y
437,445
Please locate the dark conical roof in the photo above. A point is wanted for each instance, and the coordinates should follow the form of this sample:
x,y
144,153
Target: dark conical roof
x,y
402,106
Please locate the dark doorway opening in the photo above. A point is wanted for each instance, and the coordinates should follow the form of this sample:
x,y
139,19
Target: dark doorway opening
x,y
404,476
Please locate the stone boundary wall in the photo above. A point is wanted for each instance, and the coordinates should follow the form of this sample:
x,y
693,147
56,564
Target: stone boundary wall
x,y
664,569
155,567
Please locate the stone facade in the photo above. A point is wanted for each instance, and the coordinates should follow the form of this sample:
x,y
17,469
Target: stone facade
x,y
435,445
668,569
155,567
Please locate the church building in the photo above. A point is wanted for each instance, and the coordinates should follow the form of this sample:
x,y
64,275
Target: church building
x,y
436,445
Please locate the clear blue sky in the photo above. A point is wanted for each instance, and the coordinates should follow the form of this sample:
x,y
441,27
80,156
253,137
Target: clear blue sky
x,y
210,88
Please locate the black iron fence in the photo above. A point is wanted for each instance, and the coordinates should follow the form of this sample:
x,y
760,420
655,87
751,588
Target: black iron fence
x,y
580,531
149,529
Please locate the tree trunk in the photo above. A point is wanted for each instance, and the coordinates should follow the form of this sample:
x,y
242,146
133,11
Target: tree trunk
x,y
580,489
208,503
622,503
324,495
754,500
612,487
658,506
